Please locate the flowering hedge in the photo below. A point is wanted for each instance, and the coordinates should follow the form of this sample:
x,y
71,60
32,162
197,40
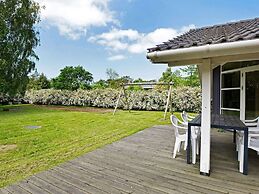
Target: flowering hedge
x,y
184,98
5,99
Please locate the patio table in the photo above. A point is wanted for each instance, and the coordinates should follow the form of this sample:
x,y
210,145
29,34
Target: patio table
x,y
225,122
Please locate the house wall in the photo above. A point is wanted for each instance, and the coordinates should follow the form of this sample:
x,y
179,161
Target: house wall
x,y
216,90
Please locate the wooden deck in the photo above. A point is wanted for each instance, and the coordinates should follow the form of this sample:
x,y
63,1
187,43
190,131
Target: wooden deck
x,y
143,163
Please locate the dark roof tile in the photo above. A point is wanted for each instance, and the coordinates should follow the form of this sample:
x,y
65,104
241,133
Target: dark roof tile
x,y
229,32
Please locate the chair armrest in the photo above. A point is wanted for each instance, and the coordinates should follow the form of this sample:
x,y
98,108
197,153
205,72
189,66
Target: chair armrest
x,y
253,135
251,124
191,117
252,121
253,129
180,127
183,123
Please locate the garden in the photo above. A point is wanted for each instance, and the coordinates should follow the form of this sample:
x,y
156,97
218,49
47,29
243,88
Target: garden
x,y
35,138
54,126
46,121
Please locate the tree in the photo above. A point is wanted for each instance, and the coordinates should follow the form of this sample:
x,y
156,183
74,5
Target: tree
x,y
167,75
72,78
18,39
101,84
112,74
139,80
126,79
192,73
175,77
38,81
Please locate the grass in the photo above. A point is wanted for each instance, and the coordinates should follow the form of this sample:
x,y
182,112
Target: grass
x,y
63,135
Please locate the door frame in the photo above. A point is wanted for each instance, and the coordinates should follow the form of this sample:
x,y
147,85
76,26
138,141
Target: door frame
x,y
243,72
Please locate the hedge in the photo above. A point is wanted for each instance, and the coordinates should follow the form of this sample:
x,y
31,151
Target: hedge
x,y
185,98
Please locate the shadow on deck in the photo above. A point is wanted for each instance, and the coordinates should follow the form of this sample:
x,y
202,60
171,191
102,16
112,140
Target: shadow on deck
x,y
143,163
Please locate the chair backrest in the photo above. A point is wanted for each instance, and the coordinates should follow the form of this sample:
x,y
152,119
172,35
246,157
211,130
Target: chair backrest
x,y
174,122
184,117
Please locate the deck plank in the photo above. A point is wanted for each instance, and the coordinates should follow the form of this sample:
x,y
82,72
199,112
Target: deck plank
x,y
143,163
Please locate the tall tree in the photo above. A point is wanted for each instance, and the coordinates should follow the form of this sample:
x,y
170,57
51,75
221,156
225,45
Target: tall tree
x,y
18,39
192,75
112,74
73,78
172,76
38,81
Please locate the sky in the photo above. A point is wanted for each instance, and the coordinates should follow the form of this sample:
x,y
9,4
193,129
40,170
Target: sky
x,y
101,34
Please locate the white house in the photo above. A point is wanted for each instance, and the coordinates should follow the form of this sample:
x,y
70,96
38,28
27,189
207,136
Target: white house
x,y
227,56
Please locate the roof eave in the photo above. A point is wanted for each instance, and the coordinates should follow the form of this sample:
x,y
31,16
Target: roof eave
x,y
185,56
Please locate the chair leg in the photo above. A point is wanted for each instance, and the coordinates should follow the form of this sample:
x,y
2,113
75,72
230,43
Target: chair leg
x,y
241,158
194,151
186,143
238,141
179,147
176,145
198,146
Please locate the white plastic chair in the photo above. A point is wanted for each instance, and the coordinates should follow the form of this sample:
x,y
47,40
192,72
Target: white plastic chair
x,y
185,117
189,117
253,143
252,123
182,138
253,140
253,128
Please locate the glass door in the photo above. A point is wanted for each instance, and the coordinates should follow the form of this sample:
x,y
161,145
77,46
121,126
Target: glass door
x,y
251,94
230,93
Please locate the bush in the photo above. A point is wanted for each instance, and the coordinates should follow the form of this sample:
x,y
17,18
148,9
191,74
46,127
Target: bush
x,y
6,99
185,98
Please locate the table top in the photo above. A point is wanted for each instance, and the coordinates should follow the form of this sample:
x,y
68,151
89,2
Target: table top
x,y
221,121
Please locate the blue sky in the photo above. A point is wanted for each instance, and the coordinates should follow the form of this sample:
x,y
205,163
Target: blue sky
x,y
101,34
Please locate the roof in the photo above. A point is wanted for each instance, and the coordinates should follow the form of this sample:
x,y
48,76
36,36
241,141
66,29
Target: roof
x,y
229,32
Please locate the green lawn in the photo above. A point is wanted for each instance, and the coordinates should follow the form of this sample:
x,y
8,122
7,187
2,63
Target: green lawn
x,y
63,136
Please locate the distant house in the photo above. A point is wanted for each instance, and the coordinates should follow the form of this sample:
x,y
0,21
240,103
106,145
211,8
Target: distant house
x,y
227,56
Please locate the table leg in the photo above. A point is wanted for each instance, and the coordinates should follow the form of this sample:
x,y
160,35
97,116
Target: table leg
x,y
245,167
234,136
189,145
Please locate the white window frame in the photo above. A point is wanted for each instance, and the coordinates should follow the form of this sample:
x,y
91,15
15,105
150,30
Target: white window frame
x,y
243,72
226,89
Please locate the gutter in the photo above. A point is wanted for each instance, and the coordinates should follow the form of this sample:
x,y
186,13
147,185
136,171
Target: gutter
x,y
205,51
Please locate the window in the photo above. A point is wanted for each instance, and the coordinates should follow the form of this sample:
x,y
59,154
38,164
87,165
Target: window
x,y
230,80
231,112
238,65
230,92
231,99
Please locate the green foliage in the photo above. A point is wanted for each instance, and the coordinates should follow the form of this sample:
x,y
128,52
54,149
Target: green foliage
x,y
101,84
37,82
170,76
114,80
72,78
18,39
118,82
187,76
192,73
63,135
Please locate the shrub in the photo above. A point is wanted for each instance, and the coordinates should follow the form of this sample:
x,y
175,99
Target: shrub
x,y
185,98
6,99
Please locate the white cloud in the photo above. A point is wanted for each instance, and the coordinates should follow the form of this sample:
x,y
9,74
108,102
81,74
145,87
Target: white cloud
x,y
74,17
134,41
116,58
